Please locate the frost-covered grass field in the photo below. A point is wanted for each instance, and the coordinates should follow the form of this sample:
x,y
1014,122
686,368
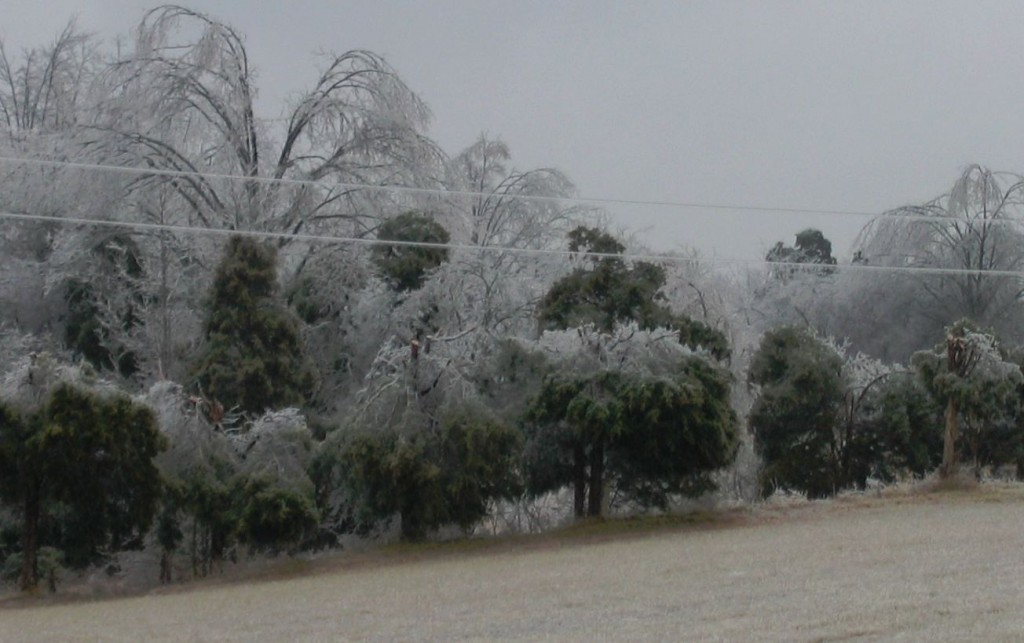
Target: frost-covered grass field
x,y
912,566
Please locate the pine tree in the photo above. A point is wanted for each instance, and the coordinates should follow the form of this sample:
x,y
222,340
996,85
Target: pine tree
x,y
253,354
613,422
406,267
88,458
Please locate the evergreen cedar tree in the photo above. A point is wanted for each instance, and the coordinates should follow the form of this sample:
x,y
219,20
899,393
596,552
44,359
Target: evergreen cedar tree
x,y
406,267
794,415
253,356
269,515
606,292
811,247
210,496
654,435
80,474
817,433
979,391
431,474
224,507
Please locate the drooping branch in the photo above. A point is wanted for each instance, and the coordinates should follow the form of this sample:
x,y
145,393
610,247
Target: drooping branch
x,y
975,227
44,91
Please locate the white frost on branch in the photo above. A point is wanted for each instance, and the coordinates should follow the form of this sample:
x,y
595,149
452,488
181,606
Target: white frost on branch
x,y
626,348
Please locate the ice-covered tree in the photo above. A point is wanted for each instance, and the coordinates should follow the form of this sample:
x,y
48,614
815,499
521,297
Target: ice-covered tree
x,y
180,98
47,89
418,444
975,384
510,207
186,103
811,247
79,457
824,420
405,267
504,214
628,407
252,357
603,293
974,228
225,487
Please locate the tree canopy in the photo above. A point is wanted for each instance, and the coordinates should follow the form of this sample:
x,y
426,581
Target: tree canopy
x,y
606,291
430,474
603,290
630,407
824,421
811,247
978,387
973,228
405,267
85,461
590,422
795,413
253,356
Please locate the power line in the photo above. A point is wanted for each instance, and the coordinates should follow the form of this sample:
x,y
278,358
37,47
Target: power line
x,y
652,258
464,193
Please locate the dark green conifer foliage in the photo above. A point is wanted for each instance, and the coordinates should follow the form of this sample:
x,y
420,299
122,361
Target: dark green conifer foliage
x,y
205,494
272,516
796,412
585,427
214,507
433,476
811,247
655,436
253,355
82,328
87,460
676,431
605,291
406,267
901,432
818,432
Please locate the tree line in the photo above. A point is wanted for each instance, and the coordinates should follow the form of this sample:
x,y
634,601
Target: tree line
x,y
616,395
203,396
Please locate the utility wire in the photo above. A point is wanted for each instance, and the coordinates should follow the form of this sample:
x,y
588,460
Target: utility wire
x,y
121,169
652,258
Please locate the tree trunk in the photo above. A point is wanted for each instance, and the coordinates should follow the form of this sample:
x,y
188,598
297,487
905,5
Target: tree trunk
x,y
195,548
579,474
596,480
30,541
206,556
165,350
218,543
844,458
165,566
949,456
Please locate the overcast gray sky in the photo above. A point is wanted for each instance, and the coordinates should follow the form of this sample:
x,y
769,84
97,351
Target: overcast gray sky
x,y
853,105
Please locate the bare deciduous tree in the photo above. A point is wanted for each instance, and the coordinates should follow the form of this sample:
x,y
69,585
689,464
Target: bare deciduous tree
x,y
974,227
46,89
508,208
186,103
